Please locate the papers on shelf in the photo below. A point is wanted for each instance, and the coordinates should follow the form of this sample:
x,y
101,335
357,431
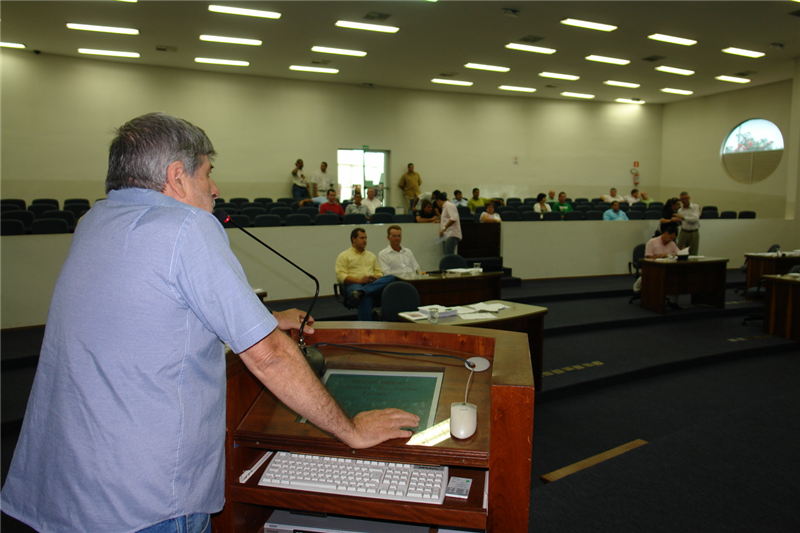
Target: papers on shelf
x,y
478,316
492,308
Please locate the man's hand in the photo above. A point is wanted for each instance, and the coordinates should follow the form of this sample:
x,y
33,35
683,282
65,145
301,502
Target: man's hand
x,y
292,318
373,427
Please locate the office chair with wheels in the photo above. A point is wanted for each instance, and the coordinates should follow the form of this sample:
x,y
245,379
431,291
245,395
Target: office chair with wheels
x,y
452,261
398,297
635,269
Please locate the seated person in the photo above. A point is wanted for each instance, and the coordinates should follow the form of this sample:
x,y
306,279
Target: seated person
x,y
658,247
332,206
458,198
395,259
371,201
646,200
633,198
612,196
541,206
476,201
359,272
551,197
614,212
489,215
356,207
562,206
426,213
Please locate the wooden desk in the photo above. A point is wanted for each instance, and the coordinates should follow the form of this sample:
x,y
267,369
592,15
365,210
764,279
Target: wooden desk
x,y
782,306
518,317
444,290
256,422
764,265
703,278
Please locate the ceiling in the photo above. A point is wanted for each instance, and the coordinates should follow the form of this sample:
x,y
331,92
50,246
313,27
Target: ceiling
x,y
437,38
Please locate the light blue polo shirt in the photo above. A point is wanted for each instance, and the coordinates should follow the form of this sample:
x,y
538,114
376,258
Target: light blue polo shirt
x,y
125,425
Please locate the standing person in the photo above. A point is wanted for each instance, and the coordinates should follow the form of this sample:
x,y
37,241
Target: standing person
x,y
450,226
410,183
541,206
331,206
322,181
125,425
690,227
669,215
396,259
371,201
489,215
299,182
358,270
614,212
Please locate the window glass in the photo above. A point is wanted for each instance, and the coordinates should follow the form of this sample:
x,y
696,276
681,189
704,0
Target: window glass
x,y
756,135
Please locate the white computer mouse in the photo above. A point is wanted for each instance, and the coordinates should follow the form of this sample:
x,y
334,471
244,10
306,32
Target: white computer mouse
x,y
463,419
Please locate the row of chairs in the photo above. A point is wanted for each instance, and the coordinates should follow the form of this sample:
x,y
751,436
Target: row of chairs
x,y
51,221
320,219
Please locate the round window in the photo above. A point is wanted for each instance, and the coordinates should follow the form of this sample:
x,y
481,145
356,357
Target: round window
x,y
752,151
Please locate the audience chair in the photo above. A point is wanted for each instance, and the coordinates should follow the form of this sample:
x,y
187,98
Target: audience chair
x,y
326,219
354,218
573,215
709,214
241,220
25,217
282,212
43,226
510,216
83,201
219,200
10,226
635,215
747,214
252,212
339,290
345,204
656,205
77,209
406,218
584,207
245,205
286,201
602,206
652,214
298,219
552,215
310,211
709,208
452,261
634,268
514,200
531,216
229,208
501,208
239,201
263,201
639,206
4,208
50,201
268,221
478,212
39,210
582,200
15,201
625,206
594,214
464,213
529,201
727,214
398,297
68,216
272,205
521,208
381,218
595,200
385,209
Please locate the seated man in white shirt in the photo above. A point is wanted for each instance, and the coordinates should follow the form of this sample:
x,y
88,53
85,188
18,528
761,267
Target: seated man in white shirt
x,y
394,259
370,201
633,197
612,196
458,198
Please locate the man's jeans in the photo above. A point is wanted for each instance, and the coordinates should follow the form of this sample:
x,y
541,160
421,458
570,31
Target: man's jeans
x,y
193,523
365,305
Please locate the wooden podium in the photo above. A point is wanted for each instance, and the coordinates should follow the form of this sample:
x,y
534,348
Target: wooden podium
x,y
500,451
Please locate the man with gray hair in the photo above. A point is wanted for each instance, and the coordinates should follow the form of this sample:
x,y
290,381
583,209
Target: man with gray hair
x,y
125,425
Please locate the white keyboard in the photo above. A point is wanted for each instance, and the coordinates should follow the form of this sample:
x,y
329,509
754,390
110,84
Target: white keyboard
x,y
357,477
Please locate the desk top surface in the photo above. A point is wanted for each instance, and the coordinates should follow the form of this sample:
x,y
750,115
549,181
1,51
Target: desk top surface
x,y
785,278
688,261
444,276
515,310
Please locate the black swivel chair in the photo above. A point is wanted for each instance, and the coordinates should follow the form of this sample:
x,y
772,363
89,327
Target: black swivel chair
x,y
452,261
634,268
398,297
758,294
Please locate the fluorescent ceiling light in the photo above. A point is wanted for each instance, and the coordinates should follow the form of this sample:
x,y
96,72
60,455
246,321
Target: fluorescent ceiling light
x,y
629,101
102,29
129,1
314,69
612,60
452,82
340,51
230,40
112,53
742,52
588,25
578,95
559,76
622,84
732,79
675,91
493,68
228,62
673,70
671,39
528,48
12,45
519,89
368,27
245,12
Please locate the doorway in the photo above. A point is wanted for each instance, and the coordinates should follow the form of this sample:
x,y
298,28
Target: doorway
x,y
361,169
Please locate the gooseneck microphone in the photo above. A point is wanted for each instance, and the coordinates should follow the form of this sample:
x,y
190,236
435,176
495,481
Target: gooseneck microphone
x,y
312,355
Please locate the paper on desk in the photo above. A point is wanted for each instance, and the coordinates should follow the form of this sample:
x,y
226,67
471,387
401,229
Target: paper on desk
x,y
478,316
460,270
685,251
492,308
463,310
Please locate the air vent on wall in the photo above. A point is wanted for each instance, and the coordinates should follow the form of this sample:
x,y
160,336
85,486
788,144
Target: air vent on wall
x,y
165,48
745,73
552,86
653,58
320,61
530,39
374,15
795,13
448,74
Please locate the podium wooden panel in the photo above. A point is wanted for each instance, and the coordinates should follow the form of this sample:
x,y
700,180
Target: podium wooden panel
x,y
256,422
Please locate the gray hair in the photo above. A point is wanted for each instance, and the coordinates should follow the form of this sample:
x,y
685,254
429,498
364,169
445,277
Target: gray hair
x,y
145,146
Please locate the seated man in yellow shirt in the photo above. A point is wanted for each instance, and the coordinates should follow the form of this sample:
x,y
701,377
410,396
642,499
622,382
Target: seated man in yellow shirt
x,y
358,270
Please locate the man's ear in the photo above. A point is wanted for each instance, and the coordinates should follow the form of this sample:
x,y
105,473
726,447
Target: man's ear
x,y
176,186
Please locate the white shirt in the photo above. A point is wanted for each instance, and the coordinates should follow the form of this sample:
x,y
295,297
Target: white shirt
x,y
631,200
393,262
608,198
691,217
463,202
324,182
371,204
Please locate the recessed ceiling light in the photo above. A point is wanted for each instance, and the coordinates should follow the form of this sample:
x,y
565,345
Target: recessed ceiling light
x,y
230,40
368,27
314,69
111,53
528,48
732,79
493,68
629,101
340,51
742,52
12,45
578,95
673,70
519,89
671,39
102,29
588,25
244,12
229,62
612,60
676,91
452,82
559,76
622,84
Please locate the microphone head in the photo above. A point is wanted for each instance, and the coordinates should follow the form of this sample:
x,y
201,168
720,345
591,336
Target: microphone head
x,y
222,216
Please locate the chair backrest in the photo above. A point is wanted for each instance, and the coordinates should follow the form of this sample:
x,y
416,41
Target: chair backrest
x,y
385,209
217,200
405,218
286,201
355,218
263,201
249,204
463,212
298,219
398,297
241,220
228,207
382,218
551,215
639,206
282,212
747,214
271,205
656,205
268,221
26,217
513,199
452,261
9,207
595,200
15,201
502,208
594,214
529,201
602,206
625,206
727,214
652,214
635,215
50,201
11,227
84,201
68,216
239,201
709,208
326,219
77,209
584,207
521,208
573,215
39,210
43,226
510,215
310,211
774,248
794,270
638,254
252,212
581,200
531,216
709,214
